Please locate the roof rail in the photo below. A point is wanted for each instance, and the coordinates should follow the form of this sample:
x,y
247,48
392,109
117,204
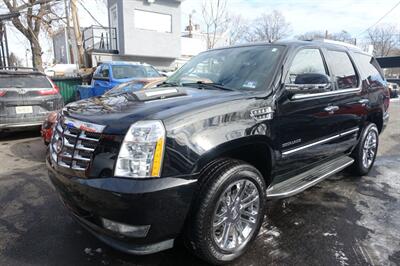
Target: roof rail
x,y
341,43
18,68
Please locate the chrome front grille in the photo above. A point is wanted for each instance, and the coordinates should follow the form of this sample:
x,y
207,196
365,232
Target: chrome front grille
x,y
74,142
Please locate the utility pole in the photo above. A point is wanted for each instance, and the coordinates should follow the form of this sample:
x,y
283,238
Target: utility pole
x,y
67,32
5,56
77,30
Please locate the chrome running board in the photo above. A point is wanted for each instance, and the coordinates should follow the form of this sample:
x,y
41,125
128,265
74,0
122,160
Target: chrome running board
x,y
301,182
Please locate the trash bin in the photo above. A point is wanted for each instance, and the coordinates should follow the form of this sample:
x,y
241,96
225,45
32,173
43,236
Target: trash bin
x,y
68,87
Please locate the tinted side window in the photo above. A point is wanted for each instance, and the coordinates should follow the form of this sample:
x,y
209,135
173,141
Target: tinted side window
x,y
370,69
97,73
306,61
102,71
151,72
343,70
105,71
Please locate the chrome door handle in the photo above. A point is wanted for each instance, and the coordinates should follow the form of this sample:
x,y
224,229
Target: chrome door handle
x,y
331,109
363,102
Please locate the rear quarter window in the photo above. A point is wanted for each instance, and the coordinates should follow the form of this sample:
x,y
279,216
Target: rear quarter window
x,y
24,81
370,69
343,70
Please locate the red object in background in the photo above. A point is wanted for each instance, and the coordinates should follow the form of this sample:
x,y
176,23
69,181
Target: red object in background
x,y
47,127
54,90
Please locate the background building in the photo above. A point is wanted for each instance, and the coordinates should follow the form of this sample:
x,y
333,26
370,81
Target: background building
x,y
147,30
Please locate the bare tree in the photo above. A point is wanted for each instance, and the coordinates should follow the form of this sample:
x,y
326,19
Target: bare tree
x,y
15,61
215,19
383,39
342,36
36,15
237,30
270,27
311,35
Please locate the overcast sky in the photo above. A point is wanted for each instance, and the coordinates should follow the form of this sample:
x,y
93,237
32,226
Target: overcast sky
x,y
354,16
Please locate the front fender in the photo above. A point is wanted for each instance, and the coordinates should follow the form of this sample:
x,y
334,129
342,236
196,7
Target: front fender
x,y
188,151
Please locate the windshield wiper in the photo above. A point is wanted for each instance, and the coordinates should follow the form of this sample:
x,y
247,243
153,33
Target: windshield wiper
x,y
203,84
168,84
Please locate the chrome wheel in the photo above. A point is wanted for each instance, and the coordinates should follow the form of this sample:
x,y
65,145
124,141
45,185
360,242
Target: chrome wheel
x,y
369,149
236,214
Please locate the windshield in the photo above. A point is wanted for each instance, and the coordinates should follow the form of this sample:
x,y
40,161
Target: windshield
x,y
131,71
240,68
24,81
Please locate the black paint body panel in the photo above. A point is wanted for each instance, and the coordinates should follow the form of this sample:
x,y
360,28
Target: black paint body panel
x,y
200,126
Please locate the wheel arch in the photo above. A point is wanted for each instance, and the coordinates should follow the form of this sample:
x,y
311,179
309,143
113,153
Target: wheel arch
x,y
257,151
377,119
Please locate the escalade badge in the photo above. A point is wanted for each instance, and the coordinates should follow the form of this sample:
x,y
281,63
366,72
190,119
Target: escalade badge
x,y
261,114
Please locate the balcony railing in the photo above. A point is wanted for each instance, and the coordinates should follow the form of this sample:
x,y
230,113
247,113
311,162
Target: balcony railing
x,y
100,39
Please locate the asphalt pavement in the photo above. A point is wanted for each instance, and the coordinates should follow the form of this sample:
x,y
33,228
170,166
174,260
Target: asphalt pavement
x,y
344,220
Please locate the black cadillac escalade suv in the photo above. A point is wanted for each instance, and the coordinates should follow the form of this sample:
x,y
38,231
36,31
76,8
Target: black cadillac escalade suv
x,y
198,156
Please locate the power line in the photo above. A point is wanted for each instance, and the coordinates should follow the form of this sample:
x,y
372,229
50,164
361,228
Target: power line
x,y
379,20
90,14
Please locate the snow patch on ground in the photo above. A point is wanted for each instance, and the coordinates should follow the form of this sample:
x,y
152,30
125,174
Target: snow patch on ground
x,y
92,252
341,257
329,234
269,235
88,251
382,215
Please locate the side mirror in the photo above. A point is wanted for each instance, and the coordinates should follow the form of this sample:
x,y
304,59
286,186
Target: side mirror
x,y
309,83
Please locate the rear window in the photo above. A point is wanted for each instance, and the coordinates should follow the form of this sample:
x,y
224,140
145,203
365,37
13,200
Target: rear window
x,y
24,81
370,69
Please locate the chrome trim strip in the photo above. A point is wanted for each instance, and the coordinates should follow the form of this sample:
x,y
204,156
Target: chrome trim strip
x,y
83,148
80,158
83,136
320,142
310,184
324,94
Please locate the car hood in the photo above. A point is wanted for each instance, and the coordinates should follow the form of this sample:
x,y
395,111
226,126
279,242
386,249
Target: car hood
x,y
118,112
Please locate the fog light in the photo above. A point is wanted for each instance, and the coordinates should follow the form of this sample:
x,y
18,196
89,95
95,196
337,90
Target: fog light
x,y
127,230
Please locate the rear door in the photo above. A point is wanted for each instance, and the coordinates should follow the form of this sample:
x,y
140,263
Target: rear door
x,y
350,101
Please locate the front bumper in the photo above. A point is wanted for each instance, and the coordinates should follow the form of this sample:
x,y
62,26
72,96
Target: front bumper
x,y
161,203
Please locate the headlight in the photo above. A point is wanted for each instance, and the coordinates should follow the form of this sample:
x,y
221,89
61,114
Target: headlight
x,y
142,150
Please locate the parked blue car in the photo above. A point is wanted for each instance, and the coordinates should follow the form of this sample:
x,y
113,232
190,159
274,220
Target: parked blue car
x,y
111,74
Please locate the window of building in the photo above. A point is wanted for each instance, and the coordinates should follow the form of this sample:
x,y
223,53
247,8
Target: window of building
x,y
343,70
153,21
306,61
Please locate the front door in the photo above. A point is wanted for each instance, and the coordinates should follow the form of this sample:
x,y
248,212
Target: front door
x,y
305,124
101,80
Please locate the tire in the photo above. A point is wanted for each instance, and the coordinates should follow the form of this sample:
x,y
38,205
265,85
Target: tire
x,y
360,167
221,178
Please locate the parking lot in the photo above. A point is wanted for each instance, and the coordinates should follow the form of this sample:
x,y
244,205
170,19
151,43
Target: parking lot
x,y
342,221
